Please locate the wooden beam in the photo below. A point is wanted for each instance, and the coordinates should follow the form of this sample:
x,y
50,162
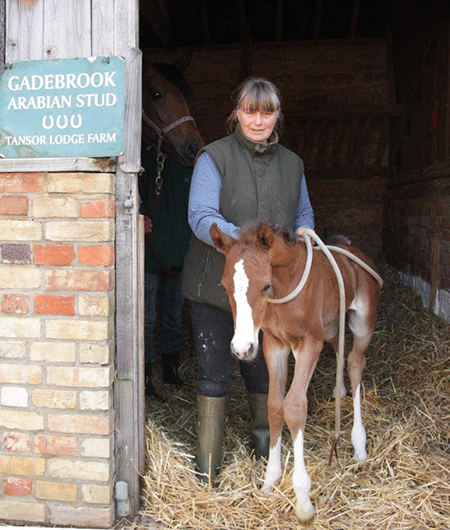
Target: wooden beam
x,y
355,15
129,381
205,23
318,25
279,33
2,31
243,30
246,42
435,270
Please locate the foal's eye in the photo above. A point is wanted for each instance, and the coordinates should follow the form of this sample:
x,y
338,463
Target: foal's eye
x,y
156,95
266,288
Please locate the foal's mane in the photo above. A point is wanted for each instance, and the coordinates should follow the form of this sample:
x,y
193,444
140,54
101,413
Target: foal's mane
x,y
175,76
249,234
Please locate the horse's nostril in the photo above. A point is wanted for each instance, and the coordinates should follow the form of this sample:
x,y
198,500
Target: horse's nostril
x,y
191,150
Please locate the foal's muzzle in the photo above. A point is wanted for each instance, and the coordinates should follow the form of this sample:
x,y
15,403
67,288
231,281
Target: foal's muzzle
x,y
245,354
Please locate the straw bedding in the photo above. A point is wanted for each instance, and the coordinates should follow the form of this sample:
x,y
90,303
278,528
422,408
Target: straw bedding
x,y
404,484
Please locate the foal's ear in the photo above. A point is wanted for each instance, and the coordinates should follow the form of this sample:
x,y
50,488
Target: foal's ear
x,y
264,235
221,240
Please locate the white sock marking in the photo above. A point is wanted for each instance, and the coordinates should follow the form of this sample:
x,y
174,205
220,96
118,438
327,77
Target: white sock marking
x,y
301,482
273,468
358,431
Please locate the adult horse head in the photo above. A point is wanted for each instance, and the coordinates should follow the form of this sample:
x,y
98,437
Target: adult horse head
x,y
167,122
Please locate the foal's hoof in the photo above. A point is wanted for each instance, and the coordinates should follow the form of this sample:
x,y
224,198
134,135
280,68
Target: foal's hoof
x,y
305,512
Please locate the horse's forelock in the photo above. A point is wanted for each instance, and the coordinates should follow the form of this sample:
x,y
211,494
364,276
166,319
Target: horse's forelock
x,y
249,234
175,76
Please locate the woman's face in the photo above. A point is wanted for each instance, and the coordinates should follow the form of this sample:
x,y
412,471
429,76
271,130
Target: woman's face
x,y
257,125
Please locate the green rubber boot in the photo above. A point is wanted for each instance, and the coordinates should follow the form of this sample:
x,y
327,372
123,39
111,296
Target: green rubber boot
x,y
259,429
210,431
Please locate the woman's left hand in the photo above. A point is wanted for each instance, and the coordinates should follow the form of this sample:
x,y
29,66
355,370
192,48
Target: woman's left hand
x,y
301,230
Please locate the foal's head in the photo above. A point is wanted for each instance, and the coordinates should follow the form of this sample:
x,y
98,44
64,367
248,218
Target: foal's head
x,y
247,279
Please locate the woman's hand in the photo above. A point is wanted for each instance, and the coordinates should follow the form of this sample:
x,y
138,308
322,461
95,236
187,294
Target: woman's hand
x,y
148,225
301,230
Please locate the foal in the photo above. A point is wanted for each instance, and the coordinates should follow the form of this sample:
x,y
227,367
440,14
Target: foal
x,y
261,264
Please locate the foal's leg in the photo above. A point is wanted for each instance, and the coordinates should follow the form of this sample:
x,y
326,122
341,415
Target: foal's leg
x,y
332,337
276,356
362,328
295,412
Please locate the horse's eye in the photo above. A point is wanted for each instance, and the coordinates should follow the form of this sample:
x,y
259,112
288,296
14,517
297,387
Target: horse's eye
x,y
266,287
156,95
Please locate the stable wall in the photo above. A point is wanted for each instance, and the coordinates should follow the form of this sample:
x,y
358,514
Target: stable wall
x,y
417,239
57,233
310,75
317,76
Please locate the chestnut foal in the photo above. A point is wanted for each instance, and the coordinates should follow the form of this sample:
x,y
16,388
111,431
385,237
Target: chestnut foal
x,y
263,263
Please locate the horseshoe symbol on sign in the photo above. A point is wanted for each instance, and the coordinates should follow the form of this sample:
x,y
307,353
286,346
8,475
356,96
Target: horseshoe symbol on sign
x,y
65,122
72,121
48,122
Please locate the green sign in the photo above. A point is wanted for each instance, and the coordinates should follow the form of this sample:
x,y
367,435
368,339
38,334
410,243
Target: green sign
x,y
62,108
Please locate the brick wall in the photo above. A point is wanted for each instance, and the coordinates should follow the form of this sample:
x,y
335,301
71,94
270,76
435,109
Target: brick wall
x,y
417,240
56,348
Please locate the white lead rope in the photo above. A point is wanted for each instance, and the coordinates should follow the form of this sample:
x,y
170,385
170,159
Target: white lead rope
x,y
307,236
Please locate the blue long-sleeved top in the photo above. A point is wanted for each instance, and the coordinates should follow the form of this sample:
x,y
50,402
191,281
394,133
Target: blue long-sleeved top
x,y
204,201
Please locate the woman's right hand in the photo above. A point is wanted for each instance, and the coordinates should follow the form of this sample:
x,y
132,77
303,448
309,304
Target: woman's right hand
x,y
148,225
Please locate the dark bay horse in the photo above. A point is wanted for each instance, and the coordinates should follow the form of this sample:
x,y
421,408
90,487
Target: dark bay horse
x,y
262,266
167,122
167,125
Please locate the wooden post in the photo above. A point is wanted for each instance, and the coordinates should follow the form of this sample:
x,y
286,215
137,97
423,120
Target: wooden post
x,y
279,28
205,23
129,383
435,276
318,24
354,22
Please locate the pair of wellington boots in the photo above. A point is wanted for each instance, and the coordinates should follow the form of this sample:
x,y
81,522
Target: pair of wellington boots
x,y
211,430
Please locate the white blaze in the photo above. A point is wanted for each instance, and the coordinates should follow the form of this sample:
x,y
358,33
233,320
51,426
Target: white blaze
x,y
244,332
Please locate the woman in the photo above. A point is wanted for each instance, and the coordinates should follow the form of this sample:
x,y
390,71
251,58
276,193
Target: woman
x,y
246,176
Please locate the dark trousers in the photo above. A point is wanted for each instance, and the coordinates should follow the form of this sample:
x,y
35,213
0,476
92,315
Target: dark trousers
x,y
213,330
171,326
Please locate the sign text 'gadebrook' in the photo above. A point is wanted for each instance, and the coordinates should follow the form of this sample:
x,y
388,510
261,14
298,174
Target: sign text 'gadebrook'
x,y
65,107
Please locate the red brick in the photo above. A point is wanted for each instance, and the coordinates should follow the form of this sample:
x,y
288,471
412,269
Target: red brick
x,y
53,254
19,487
13,205
21,182
100,208
80,423
78,280
46,444
96,255
48,304
15,303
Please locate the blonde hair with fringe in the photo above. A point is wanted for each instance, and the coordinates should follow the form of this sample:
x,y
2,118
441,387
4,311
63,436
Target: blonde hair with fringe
x,y
255,94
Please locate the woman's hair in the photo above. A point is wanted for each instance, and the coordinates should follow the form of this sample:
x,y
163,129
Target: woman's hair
x,y
253,95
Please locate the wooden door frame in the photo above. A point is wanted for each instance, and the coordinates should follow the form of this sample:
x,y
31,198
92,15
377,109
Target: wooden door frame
x,y
129,396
